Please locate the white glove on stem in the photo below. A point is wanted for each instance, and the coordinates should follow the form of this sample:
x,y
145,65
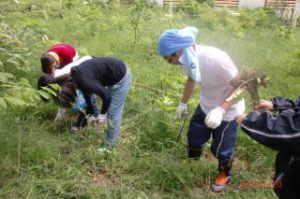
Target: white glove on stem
x,y
60,114
214,117
101,119
181,110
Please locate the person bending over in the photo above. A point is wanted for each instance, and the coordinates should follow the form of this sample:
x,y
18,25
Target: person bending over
x,y
110,79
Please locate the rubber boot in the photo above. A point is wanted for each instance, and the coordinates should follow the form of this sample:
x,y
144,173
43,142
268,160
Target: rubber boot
x,y
194,153
222,178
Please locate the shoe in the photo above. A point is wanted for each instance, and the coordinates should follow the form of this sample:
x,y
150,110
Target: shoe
x,y
220,182
105,148
76,129
195,153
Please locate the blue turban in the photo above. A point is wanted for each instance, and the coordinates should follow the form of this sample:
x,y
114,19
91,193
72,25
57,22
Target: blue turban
x,y
172,40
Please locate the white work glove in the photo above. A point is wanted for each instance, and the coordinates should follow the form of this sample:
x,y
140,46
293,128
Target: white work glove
x,y
101,119
241,106
181,110
98,121
60,114
214,117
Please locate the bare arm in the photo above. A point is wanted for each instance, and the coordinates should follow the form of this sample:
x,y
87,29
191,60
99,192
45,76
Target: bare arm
x,y
190,85
235,82
225,105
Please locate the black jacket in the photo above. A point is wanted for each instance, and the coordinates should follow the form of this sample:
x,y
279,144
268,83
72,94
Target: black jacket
x,y
279,131
97,76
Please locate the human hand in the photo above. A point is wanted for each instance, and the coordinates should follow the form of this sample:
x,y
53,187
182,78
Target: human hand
x,y
214,117
101,120
181,110
264,105
98,121
240,118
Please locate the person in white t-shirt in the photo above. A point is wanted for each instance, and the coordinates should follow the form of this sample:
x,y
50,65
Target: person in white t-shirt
x,y
216,73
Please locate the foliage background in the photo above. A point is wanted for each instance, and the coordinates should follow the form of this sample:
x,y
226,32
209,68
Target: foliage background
x,y
41,159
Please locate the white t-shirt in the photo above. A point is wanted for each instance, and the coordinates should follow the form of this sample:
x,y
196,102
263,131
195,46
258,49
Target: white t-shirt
x,y
217,70
67,69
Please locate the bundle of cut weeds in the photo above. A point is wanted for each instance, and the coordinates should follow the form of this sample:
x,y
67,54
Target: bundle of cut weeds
x,y
251,80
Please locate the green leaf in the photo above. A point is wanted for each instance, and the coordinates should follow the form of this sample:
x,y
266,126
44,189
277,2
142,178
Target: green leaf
x,y
18,56
24,81
14,62
16,101
55,87
37,95
43,94
3,104
5,76
50,91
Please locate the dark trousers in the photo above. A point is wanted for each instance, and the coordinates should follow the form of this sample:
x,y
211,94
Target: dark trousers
x,y
224,137
92,109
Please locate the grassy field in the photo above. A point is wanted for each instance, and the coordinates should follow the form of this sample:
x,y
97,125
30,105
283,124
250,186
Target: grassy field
x,y
42,159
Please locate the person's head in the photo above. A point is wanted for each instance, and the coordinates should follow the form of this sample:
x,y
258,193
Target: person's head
x,y
45,80
49,62
172,42
174,57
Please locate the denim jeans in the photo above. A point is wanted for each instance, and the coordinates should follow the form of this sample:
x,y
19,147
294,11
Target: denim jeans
x,y
119,94
224,137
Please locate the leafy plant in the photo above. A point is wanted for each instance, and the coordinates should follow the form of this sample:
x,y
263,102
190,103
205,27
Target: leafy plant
x,y
16,90
139,10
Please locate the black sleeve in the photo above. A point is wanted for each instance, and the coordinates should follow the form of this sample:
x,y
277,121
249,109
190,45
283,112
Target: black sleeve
x,y
105,96
290,186
90,86
97,88
281,103
280,132
282,162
